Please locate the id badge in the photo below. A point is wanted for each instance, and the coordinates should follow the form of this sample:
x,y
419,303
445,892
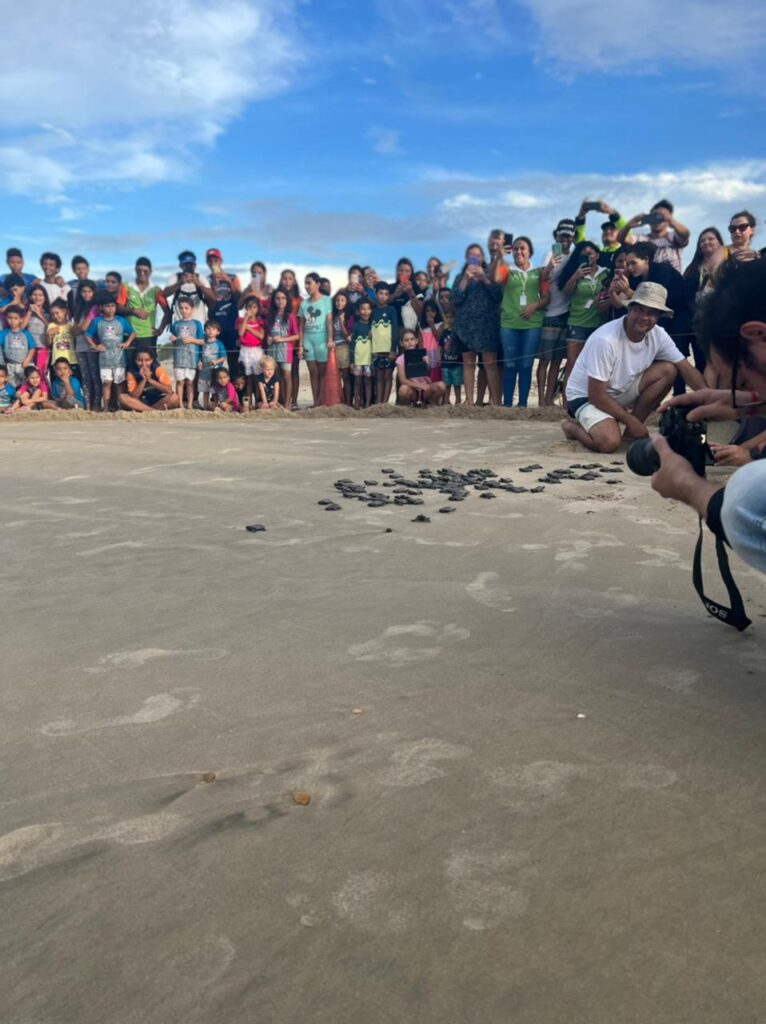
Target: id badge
x,y
523,300
588,304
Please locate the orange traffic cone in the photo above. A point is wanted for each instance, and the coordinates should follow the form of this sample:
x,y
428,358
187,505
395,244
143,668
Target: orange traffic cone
x,y
332,392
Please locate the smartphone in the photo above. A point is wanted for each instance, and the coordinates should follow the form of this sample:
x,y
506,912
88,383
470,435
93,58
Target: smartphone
x,y
652,219
355,277
473,261
507,241
592,207
557,249
257,279
584,265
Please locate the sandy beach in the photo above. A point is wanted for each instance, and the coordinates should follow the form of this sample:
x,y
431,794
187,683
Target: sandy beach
x,y
355,769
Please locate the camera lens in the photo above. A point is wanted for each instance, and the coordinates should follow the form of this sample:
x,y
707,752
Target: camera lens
x,y
642,457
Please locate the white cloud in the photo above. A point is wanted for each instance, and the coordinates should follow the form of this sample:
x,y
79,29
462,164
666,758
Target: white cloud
x,y
532,202
128,99
620,35
385,140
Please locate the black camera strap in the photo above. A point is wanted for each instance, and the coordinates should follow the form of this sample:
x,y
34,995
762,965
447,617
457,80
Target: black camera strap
x,y
734,616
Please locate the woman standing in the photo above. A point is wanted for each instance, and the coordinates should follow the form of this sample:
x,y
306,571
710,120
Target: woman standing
x,y
525,296
475,298
708,257
583,280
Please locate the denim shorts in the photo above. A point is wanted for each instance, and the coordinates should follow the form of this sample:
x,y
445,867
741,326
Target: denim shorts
x,y
552,338
579,335
453,375
382,363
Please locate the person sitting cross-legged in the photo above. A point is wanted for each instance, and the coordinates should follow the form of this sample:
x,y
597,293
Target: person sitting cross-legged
x,y
150,389
625,370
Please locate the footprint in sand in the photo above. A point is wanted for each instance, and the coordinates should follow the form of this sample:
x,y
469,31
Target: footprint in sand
x,y
135,659
413,764
407,644
487,887
154,709
488,592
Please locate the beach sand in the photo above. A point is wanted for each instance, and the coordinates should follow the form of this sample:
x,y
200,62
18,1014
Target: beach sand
x,y
499,767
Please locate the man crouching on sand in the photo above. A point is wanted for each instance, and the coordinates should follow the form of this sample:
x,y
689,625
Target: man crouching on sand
x,y
623,373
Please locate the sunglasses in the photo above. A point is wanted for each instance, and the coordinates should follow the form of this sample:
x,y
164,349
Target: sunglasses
x,y
736,228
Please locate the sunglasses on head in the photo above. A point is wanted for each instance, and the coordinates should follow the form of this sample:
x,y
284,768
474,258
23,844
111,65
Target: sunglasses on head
x,y
738,227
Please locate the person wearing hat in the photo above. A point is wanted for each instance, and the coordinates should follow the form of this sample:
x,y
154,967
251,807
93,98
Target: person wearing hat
x,y
610,229
625,370
553,336
226,290
189,283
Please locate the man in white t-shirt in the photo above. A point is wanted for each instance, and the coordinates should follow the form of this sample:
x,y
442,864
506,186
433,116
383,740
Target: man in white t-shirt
x,y
668,235
623,373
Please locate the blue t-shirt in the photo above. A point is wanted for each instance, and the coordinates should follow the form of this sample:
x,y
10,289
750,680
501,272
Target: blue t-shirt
x,y
28,279
314,313
212,350
58,391
110,333
7,395
16,344
186,356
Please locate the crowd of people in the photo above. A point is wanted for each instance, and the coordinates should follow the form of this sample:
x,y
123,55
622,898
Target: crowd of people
x,y
420,339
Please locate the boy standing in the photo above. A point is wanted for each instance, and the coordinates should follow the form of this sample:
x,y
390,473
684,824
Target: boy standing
x,y
17,344
385,341
451,352
212,356
113,335
185,334
361,353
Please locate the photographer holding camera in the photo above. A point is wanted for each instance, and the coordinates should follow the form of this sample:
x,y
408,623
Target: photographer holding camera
x,y
731,325
625,370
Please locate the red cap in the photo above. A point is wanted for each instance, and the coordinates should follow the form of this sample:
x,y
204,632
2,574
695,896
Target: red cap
x,y
214,252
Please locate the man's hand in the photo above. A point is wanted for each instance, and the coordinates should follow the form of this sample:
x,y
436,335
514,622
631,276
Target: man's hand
x,y
142,314
676,479
634,428
730,454
709,404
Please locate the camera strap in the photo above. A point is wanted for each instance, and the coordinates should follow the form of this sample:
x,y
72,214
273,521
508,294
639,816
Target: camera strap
x,y
734,616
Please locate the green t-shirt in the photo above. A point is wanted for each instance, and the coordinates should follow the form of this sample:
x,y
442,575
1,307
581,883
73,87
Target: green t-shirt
x,y
583,311
148,301
521,290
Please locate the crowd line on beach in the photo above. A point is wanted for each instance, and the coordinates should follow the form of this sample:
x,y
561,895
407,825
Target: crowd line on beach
x,y
422,338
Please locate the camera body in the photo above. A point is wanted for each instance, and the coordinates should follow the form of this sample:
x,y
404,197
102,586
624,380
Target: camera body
x,y
685,438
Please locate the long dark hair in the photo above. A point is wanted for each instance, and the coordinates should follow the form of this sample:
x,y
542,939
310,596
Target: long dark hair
x,y
429,304
574,261
46,301
473,245
692,271
273,313
294,292
81,308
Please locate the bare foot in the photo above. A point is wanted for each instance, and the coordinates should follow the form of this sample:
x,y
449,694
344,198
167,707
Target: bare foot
x,y
571,429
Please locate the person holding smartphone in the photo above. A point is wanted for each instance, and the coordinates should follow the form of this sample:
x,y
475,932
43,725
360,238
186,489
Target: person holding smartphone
x,y
475,298
667,234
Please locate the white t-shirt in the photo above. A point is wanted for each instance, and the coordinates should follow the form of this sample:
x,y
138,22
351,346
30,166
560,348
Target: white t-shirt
x,y
559,304
668,247
744,513
611,356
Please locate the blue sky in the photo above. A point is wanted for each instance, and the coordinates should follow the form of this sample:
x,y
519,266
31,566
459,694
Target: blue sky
x,y
320,133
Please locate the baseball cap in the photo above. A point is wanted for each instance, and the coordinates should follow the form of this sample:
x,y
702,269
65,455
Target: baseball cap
x,y
213,252
609,225
187,256
566,226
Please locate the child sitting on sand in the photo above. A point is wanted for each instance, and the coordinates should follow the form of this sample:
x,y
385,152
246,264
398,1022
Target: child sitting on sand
x,y
268,384
224,397
418,388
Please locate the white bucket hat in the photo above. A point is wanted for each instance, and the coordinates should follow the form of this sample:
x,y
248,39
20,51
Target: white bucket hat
x,y
652,295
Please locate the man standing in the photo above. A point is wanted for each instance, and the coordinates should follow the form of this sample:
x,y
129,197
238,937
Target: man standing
x,y
668,235
625,370
225,290
188,282
143,300
15,261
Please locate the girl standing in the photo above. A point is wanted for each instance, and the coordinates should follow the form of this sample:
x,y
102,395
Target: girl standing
x,y
342,325
38,318
282,335
251,328
430,334
525,296
582,279
289,283
84,312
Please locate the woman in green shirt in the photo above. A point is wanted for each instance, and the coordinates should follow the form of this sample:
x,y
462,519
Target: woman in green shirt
x,y
582,279
525,296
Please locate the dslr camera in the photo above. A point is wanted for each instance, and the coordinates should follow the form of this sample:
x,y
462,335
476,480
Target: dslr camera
x,y
686,439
